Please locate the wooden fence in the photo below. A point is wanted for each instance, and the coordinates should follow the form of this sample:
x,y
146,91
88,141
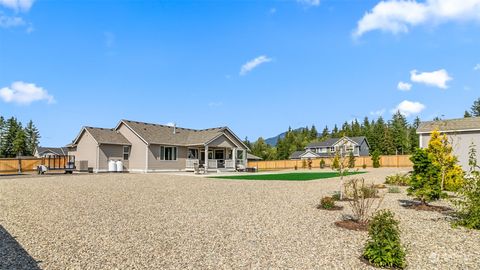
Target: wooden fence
x,y
29,164
385,161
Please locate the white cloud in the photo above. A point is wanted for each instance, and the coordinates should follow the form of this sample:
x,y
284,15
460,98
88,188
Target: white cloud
x,y
24,93
272,11
403,86
437,78
17,5
10,21
215,104
398,16
477,67
310,2
250,65
378,112
408,108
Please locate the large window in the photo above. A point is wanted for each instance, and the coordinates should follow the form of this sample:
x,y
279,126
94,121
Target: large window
x,y
192,153
126,152
168,153
240,154
219,154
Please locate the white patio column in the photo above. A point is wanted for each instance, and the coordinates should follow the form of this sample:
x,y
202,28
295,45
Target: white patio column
x,y
206,158
234,157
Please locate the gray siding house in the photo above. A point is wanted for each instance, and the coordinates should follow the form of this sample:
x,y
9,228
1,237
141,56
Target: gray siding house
x,y
147,147
460,132
357,145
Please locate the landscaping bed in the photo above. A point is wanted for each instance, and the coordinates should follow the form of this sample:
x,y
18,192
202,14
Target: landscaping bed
x,y
294,176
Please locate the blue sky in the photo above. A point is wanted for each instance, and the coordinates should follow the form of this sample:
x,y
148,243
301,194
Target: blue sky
x,y
256,66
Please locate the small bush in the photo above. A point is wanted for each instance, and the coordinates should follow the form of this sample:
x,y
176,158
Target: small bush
x,y
361,199
322,163
327,203
384,248
304,164
336,163
364,166
336,195
376,159
398,180
351,160
469,205
425,183
393,190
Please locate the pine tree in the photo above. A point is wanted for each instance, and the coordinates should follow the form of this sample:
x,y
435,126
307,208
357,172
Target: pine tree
x,y
399,131
467,114
325,133
313,133
335,132
32,136
11,141
3,125
475,109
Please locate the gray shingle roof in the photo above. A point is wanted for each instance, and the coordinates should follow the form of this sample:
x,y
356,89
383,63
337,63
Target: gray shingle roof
x,y
107,136
469,123
296,154
162,134
332,141
61,151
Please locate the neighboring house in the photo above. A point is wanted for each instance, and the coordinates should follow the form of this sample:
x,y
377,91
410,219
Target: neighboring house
x,y
252,157
50,151
357,145
460,132
146,147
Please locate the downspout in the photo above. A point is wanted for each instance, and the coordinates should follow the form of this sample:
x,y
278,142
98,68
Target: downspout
x,y
146,158
98,158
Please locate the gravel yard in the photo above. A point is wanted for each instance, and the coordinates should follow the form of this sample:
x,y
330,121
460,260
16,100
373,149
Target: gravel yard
x,y
153,221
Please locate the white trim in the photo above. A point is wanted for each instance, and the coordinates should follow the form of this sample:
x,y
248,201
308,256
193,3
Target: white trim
x,y
98,157
146,157
236,137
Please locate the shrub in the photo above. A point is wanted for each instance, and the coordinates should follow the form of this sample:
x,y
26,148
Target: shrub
x,y
398,180
336,196
351,160
376,159
296,167
469,205
322,163
425,183
360,199
327,203
384,248
304,164
393,190
309,164
454,178
336,162
364,166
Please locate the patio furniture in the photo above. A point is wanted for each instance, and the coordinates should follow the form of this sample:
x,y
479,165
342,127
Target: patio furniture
x,y
197,168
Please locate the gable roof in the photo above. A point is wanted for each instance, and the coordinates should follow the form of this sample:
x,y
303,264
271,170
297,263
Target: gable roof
x,y
332,141
163,134
104,136
60,151
253,157
296,154
460,124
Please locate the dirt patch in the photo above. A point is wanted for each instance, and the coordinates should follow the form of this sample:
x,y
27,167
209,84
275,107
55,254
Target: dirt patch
x,y
424,207
335,208
352,225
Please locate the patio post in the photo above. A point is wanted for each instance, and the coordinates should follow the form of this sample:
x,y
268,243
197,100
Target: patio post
x,y
206,158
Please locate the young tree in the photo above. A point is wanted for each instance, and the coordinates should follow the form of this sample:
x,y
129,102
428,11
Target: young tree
x,y
440,152
425,183
351,160
32,136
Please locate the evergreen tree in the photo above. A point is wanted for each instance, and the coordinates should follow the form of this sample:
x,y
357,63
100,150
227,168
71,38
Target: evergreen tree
x,y
32,136
356,129
414,139
467,114
313,133
335,132
3,129
400,133
475,109
325,133
12,140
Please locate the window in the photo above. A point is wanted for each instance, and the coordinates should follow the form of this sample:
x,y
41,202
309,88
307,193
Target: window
x,y
240,154
126,152
218,154
192,153
168,153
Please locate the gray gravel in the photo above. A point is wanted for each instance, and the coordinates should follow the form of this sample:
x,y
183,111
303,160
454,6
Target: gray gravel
x,y
138,221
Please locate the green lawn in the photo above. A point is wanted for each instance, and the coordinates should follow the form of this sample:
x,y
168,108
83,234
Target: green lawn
x,y
295,176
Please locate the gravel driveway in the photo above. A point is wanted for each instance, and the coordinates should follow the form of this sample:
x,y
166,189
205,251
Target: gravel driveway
x,y
153,221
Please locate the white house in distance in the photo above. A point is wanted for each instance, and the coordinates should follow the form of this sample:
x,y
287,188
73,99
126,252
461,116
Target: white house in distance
x,y
461,133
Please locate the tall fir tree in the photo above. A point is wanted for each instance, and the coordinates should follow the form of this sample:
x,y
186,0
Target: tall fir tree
x,y
475,109
32,137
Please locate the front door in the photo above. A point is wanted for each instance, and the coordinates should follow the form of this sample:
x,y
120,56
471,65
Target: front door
x,y
220,157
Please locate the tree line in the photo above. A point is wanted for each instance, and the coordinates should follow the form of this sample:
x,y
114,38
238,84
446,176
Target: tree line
x,y
17,140
395,136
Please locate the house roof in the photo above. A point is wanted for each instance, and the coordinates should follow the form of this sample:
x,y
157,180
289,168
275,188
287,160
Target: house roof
x,y
163,134
296,154
104,136
61,151
461,124
330,142
253,157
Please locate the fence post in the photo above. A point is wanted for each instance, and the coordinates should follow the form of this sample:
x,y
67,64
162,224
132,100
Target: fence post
x,y
19,165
